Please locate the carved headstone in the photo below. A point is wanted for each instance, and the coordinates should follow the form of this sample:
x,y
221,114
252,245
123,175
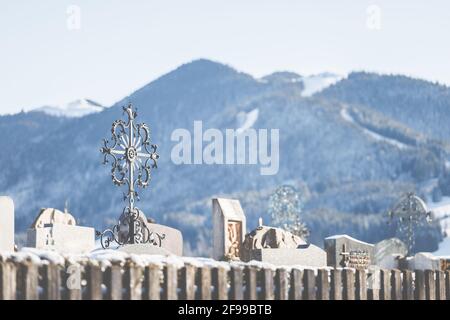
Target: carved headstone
x,y
389,252
6,224
280,247
428,261
268,237
229,225
345,251
57,231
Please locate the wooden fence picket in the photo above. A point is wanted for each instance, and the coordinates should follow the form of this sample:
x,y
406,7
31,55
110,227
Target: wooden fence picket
x,y
114,282
336,284
396,285
220,283
348,279
361,285
204,283
296,287
323,286
8,278
309,285
170,282
440,285
267,287
134,276
237,283
408,288
419,285
430,285
51,281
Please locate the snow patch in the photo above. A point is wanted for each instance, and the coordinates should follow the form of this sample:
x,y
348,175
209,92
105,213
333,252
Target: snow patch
x,y
246,120
75,109
316,83
376,136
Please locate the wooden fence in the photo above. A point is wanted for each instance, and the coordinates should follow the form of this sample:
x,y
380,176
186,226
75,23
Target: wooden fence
x,y
27,280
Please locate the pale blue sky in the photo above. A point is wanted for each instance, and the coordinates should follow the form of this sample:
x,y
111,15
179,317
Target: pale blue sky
x,y
122,45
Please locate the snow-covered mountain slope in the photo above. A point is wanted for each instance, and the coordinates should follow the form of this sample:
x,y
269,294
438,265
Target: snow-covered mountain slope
x,y
309,84
316,83
75,109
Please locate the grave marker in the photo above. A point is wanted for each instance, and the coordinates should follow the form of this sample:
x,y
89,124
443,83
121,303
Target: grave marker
x,y
345,251
229,226
6,224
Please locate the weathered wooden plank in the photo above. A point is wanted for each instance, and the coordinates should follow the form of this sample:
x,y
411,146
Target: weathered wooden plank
x,y
204,283
373,292
133,281
170,282
323,286
267,287
348,280
114,282
27,280
440,285
396,285
250,276
152,282
281,285
51,282
94,278
385,284
419,285
72,282
336,284
237,283
220,283
309,285
430,285
296,288
8,284
408,288
361,285
188,282
447,284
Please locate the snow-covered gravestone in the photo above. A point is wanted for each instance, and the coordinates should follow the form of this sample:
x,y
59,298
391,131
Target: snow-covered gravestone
x,y
229,225
345,251
389,252
57,231
6,224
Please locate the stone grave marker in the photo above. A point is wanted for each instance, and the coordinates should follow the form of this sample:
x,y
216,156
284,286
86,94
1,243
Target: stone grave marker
x,y
6,224
229,227
280,247
163,240
428,261
57,231
389,252
345,251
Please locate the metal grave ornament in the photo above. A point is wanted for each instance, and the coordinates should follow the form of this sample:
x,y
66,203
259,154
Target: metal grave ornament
x,y
409,212
132,158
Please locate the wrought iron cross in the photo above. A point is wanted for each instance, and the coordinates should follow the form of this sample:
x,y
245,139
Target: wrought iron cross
x,y
410,211
133,158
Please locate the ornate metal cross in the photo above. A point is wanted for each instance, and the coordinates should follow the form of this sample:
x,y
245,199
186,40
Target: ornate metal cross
x,y
410,211
133,158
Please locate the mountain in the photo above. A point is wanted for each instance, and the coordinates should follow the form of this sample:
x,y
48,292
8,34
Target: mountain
x,y
351,161
308,85
74,109
421,105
